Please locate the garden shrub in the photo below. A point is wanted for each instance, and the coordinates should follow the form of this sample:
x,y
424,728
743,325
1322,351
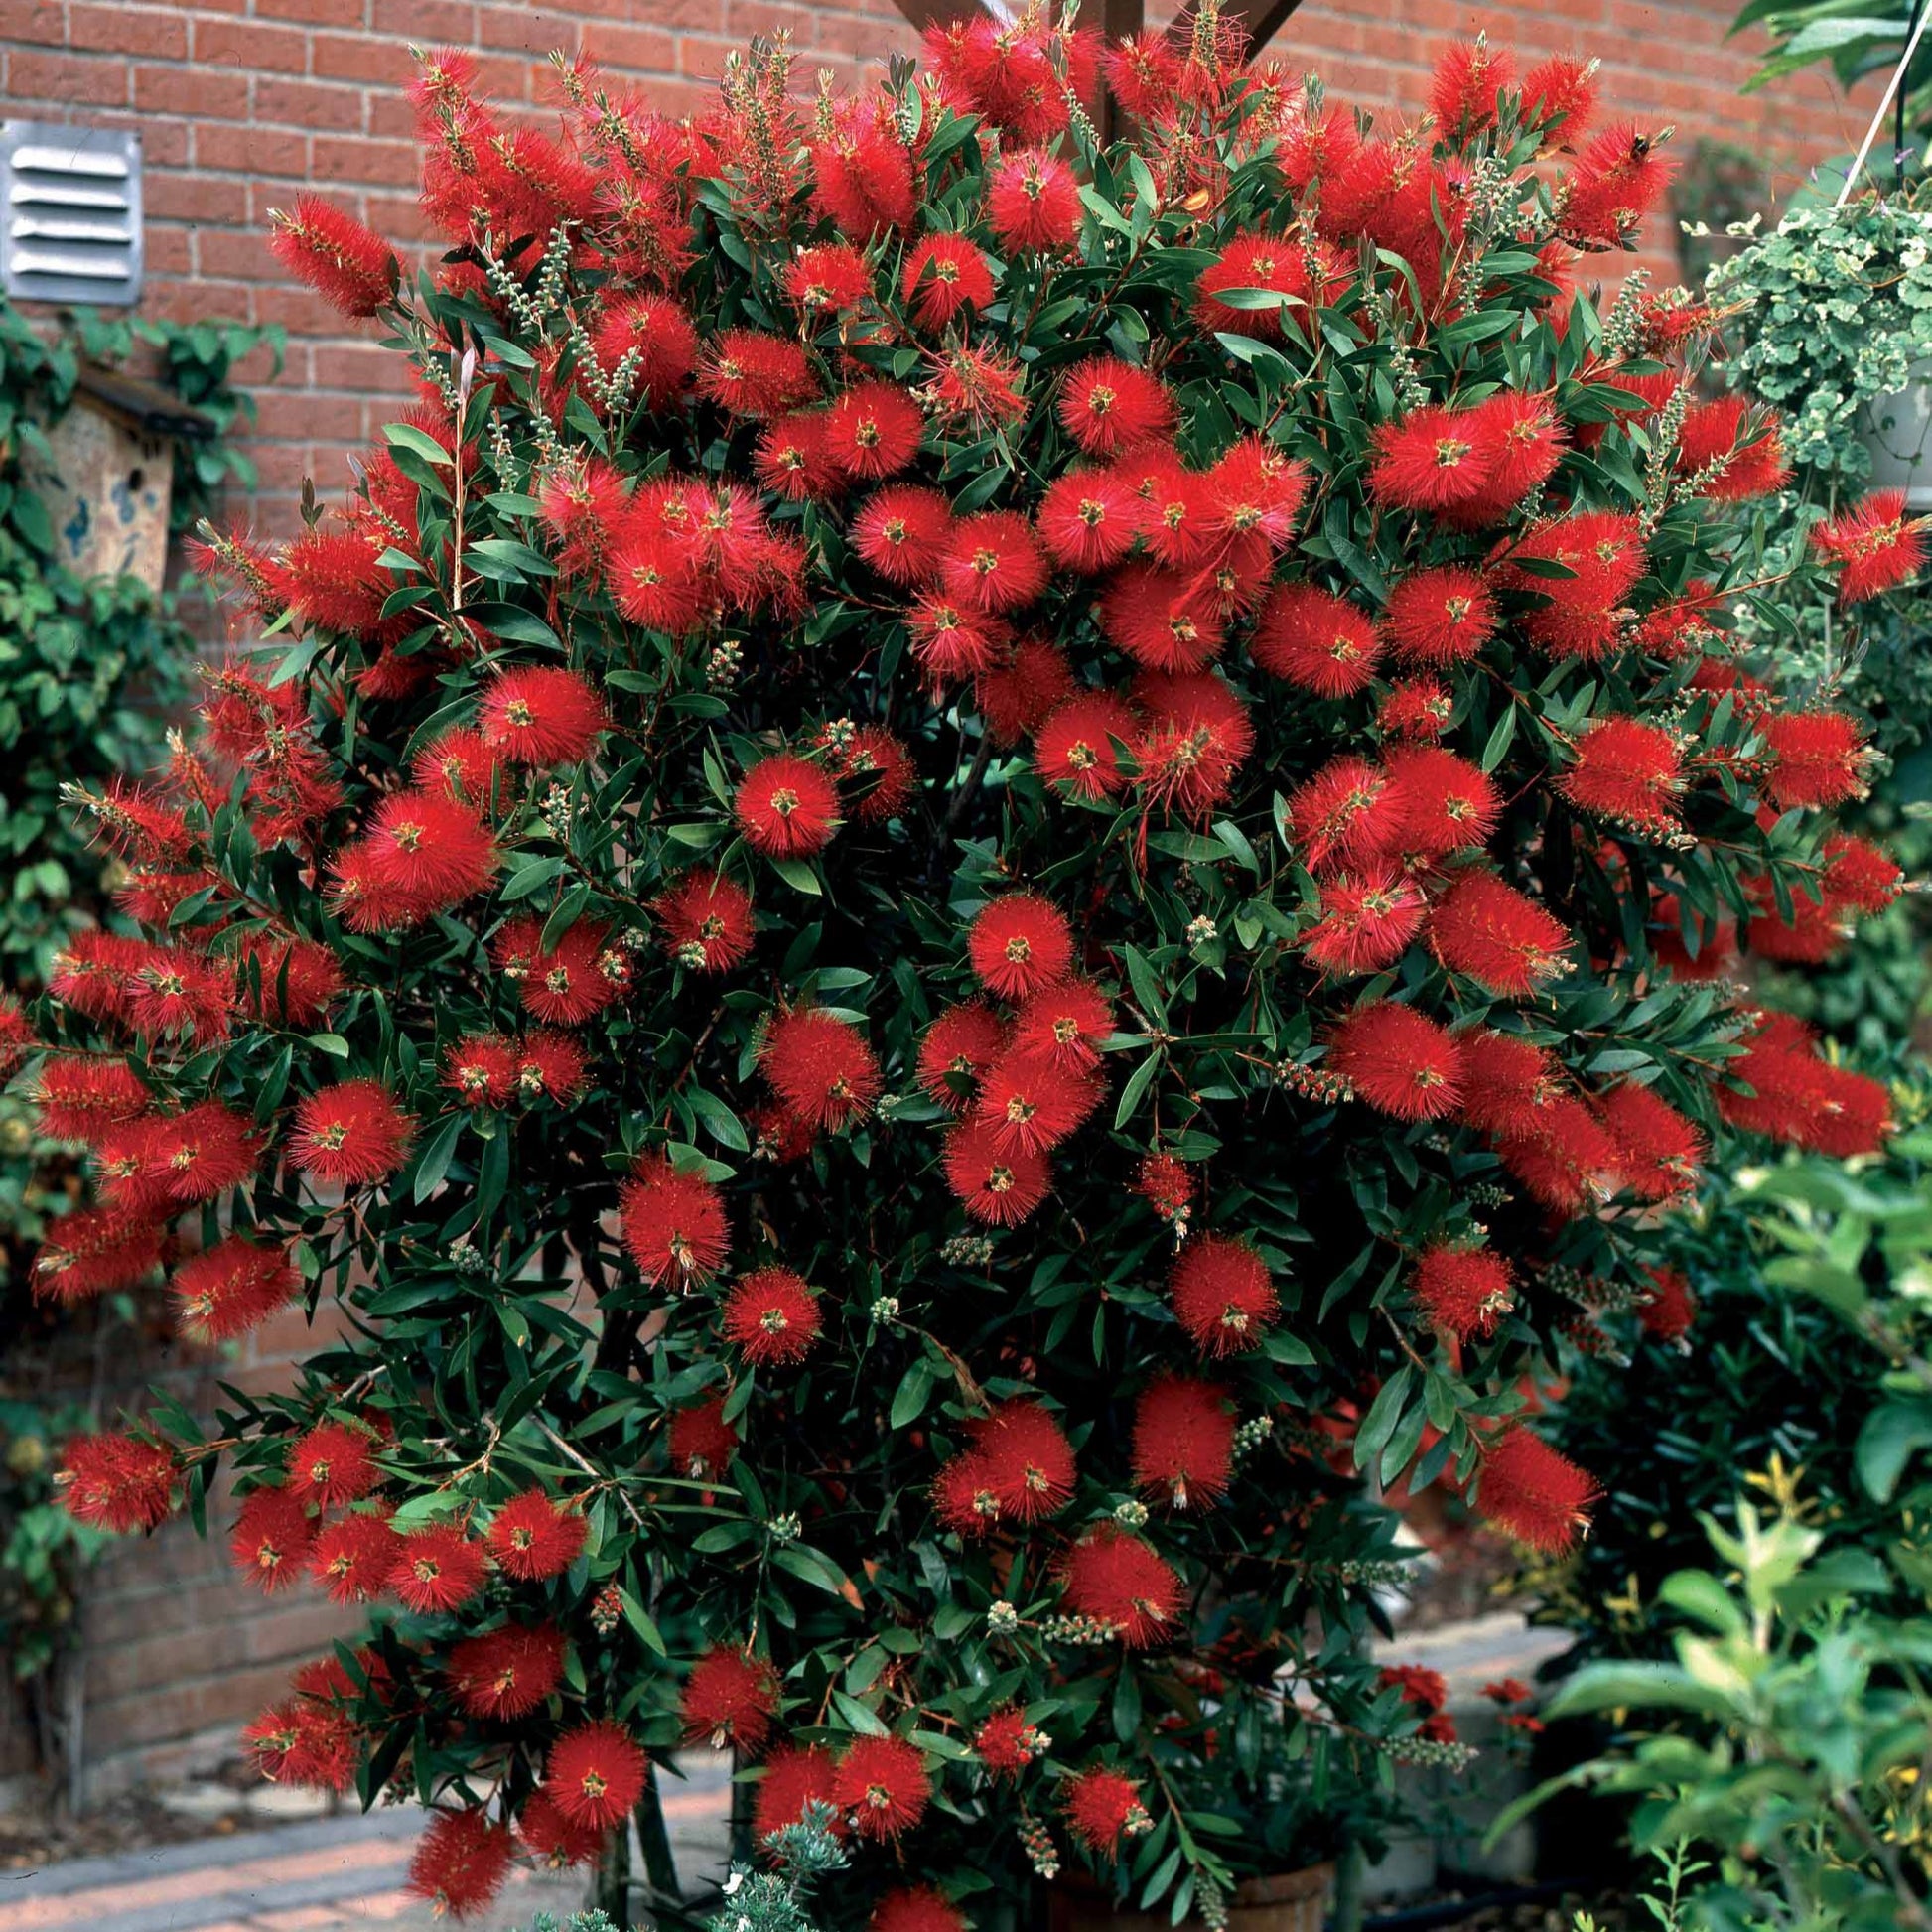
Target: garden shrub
x,y
978,861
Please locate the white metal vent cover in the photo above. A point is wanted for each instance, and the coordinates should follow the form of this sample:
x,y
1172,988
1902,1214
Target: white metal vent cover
x,y
69,213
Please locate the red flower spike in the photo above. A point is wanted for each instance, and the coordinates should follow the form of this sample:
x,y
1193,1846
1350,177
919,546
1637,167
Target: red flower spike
x,y
945,276
1345,817
1005,1743
116,1483
830,277
481,1070
509,1672
1000,1187
552,1840
596,1774
731,1699
1104,1809
1367,921
573,982
915,1910
1441,802
1627,772
1033,203
771,1316
351,1134
902,532
748,374
1814,759
232,1287
352,268
955,1052
1441,616
352,1556
1183,1440
1033,1104
1064,1023
331,1465
1077,749
1018,944
1317,642
821,1067
1467,80
1223,1295
532,1539
1659,1151
1560,94
706,921
79,1098
541,715
1619,177
1492,933
993,563
1529,1492
1506,1083
1669,1310
92,1251
1873,547
1398,1061
701,1441
1580,614
461,1862
872,430
437,1568
1462,1291
1088,520
882,1785
673,1224
787,807
1165,1183
1109,406
793,1778
1121,1581
1164,620
272,1538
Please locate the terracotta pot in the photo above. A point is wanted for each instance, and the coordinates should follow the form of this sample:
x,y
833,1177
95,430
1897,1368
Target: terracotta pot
x,y
1290,1902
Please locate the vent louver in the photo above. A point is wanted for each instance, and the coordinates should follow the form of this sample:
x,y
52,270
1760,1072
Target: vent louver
x,y
69,213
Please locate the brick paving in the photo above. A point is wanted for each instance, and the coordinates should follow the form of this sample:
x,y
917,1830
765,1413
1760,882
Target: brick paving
x,y
337,1875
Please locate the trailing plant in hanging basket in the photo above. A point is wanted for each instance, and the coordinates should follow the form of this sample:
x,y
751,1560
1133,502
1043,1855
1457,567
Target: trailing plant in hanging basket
x,y
976,863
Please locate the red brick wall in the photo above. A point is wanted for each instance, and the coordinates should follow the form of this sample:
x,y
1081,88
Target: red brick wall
x,y
243,102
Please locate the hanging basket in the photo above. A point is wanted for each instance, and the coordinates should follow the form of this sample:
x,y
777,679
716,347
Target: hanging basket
x,y
1289,1901
1899,439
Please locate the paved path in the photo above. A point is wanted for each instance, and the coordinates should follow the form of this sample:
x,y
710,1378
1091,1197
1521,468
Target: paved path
x,y
333,1875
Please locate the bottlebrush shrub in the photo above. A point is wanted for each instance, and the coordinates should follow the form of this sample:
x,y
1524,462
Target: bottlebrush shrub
x,y
945,825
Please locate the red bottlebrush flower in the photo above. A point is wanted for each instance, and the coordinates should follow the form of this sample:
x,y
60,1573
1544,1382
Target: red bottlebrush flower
x,y
1005,1743
1143,72
1580,613
550,1065
902,532
920,1911
731,1699
1441,802
176,1160
787,806
862,174
541,715
998,1187
596,1774
1846,1114
79,1098
1104,1809
583,501
461,1862
573,982
1529,1492
507,1673
1305,270
1491,932
228,1289
673,1223
1165,1183
140,826
821,1067
1109,406
945,276
1566,1161
1521,440
882,1786
351,1134
955,1052
1468,78
872,430
655,577
116,1483
351,267
706,921
552,1840
1416,708
879,770
1197,738
272,1538
91,977
421,855
352,1556
480,1070
1020,1459
1731,471
993,562
293,981
1462,1290
791,460
1669,1311
1506,1082
436,1568
1255,495
532,1539
1432,460
1164,620
952,640
180,994
1366,923
1859,875
1183,1440
1064,1023
1018,695
1088,520
1317,640
1399,1061
793,1778
333,580
1874,546
1659,1150
1627,772
656,334
1034,202
1560,94
1345,816
830,276
331,1465
771,1316
1441,616
750,374
1619,177
93,1250
1813,758
702,1443
459,763
1426,1690
1120,1581
1222,1296
1033,1104
975,387
1018,944
1076,749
